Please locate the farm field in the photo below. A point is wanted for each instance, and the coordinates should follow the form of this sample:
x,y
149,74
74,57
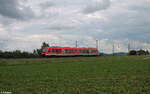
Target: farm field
x,y
76,75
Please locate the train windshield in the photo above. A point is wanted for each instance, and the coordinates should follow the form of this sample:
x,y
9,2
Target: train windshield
x,y
44,50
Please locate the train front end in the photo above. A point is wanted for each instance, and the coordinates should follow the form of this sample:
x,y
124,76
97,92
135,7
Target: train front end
x,y
44,52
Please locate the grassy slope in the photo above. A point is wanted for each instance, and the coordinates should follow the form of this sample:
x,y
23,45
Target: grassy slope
x,y
80,75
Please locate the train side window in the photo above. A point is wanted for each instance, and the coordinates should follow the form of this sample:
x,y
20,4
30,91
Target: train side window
x,y
49,50
53,50
69,51
80,51
66,50
76,51
59,50
92,51
86,51
72,51
56,50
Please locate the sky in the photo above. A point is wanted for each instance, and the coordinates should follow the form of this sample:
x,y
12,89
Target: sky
x,y
25,24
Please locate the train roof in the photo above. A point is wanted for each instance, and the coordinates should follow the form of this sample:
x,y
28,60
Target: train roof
x,y
70,47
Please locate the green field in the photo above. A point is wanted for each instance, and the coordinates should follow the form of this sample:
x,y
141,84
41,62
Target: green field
x,y
76,75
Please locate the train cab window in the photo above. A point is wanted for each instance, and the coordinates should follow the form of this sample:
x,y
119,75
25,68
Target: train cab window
x,y
45,49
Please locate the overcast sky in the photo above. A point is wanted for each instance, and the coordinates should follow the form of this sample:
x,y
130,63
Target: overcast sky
x,y
25,24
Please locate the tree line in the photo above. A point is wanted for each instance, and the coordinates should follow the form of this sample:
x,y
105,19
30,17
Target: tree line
x,y
23,54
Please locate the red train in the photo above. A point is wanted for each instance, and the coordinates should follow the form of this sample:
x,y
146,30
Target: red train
x,y
67,51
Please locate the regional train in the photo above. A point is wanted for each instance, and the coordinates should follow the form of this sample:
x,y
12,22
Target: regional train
x,y
68,51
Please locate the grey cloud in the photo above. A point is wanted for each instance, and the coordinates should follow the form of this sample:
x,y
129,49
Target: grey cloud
x,y
142,7
60,27
46,5
96,6
10,9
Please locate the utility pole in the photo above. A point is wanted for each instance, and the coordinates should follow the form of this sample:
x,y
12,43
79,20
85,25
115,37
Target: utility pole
x,y
128,47
97,44
76,44
113,49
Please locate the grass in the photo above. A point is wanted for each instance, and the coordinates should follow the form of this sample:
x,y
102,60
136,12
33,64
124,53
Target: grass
x,y
79,75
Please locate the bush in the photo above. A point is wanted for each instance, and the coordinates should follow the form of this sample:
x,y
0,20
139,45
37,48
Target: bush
x,y
132,52
139,52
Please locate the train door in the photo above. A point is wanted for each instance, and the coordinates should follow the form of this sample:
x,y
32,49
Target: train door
x,y
63,51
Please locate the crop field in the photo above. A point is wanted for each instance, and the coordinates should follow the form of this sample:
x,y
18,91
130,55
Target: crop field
x,y
76,75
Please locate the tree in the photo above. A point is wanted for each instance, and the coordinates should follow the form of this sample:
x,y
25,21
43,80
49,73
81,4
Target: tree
x,y
141,52
147,52
44,45
39,51
132,52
